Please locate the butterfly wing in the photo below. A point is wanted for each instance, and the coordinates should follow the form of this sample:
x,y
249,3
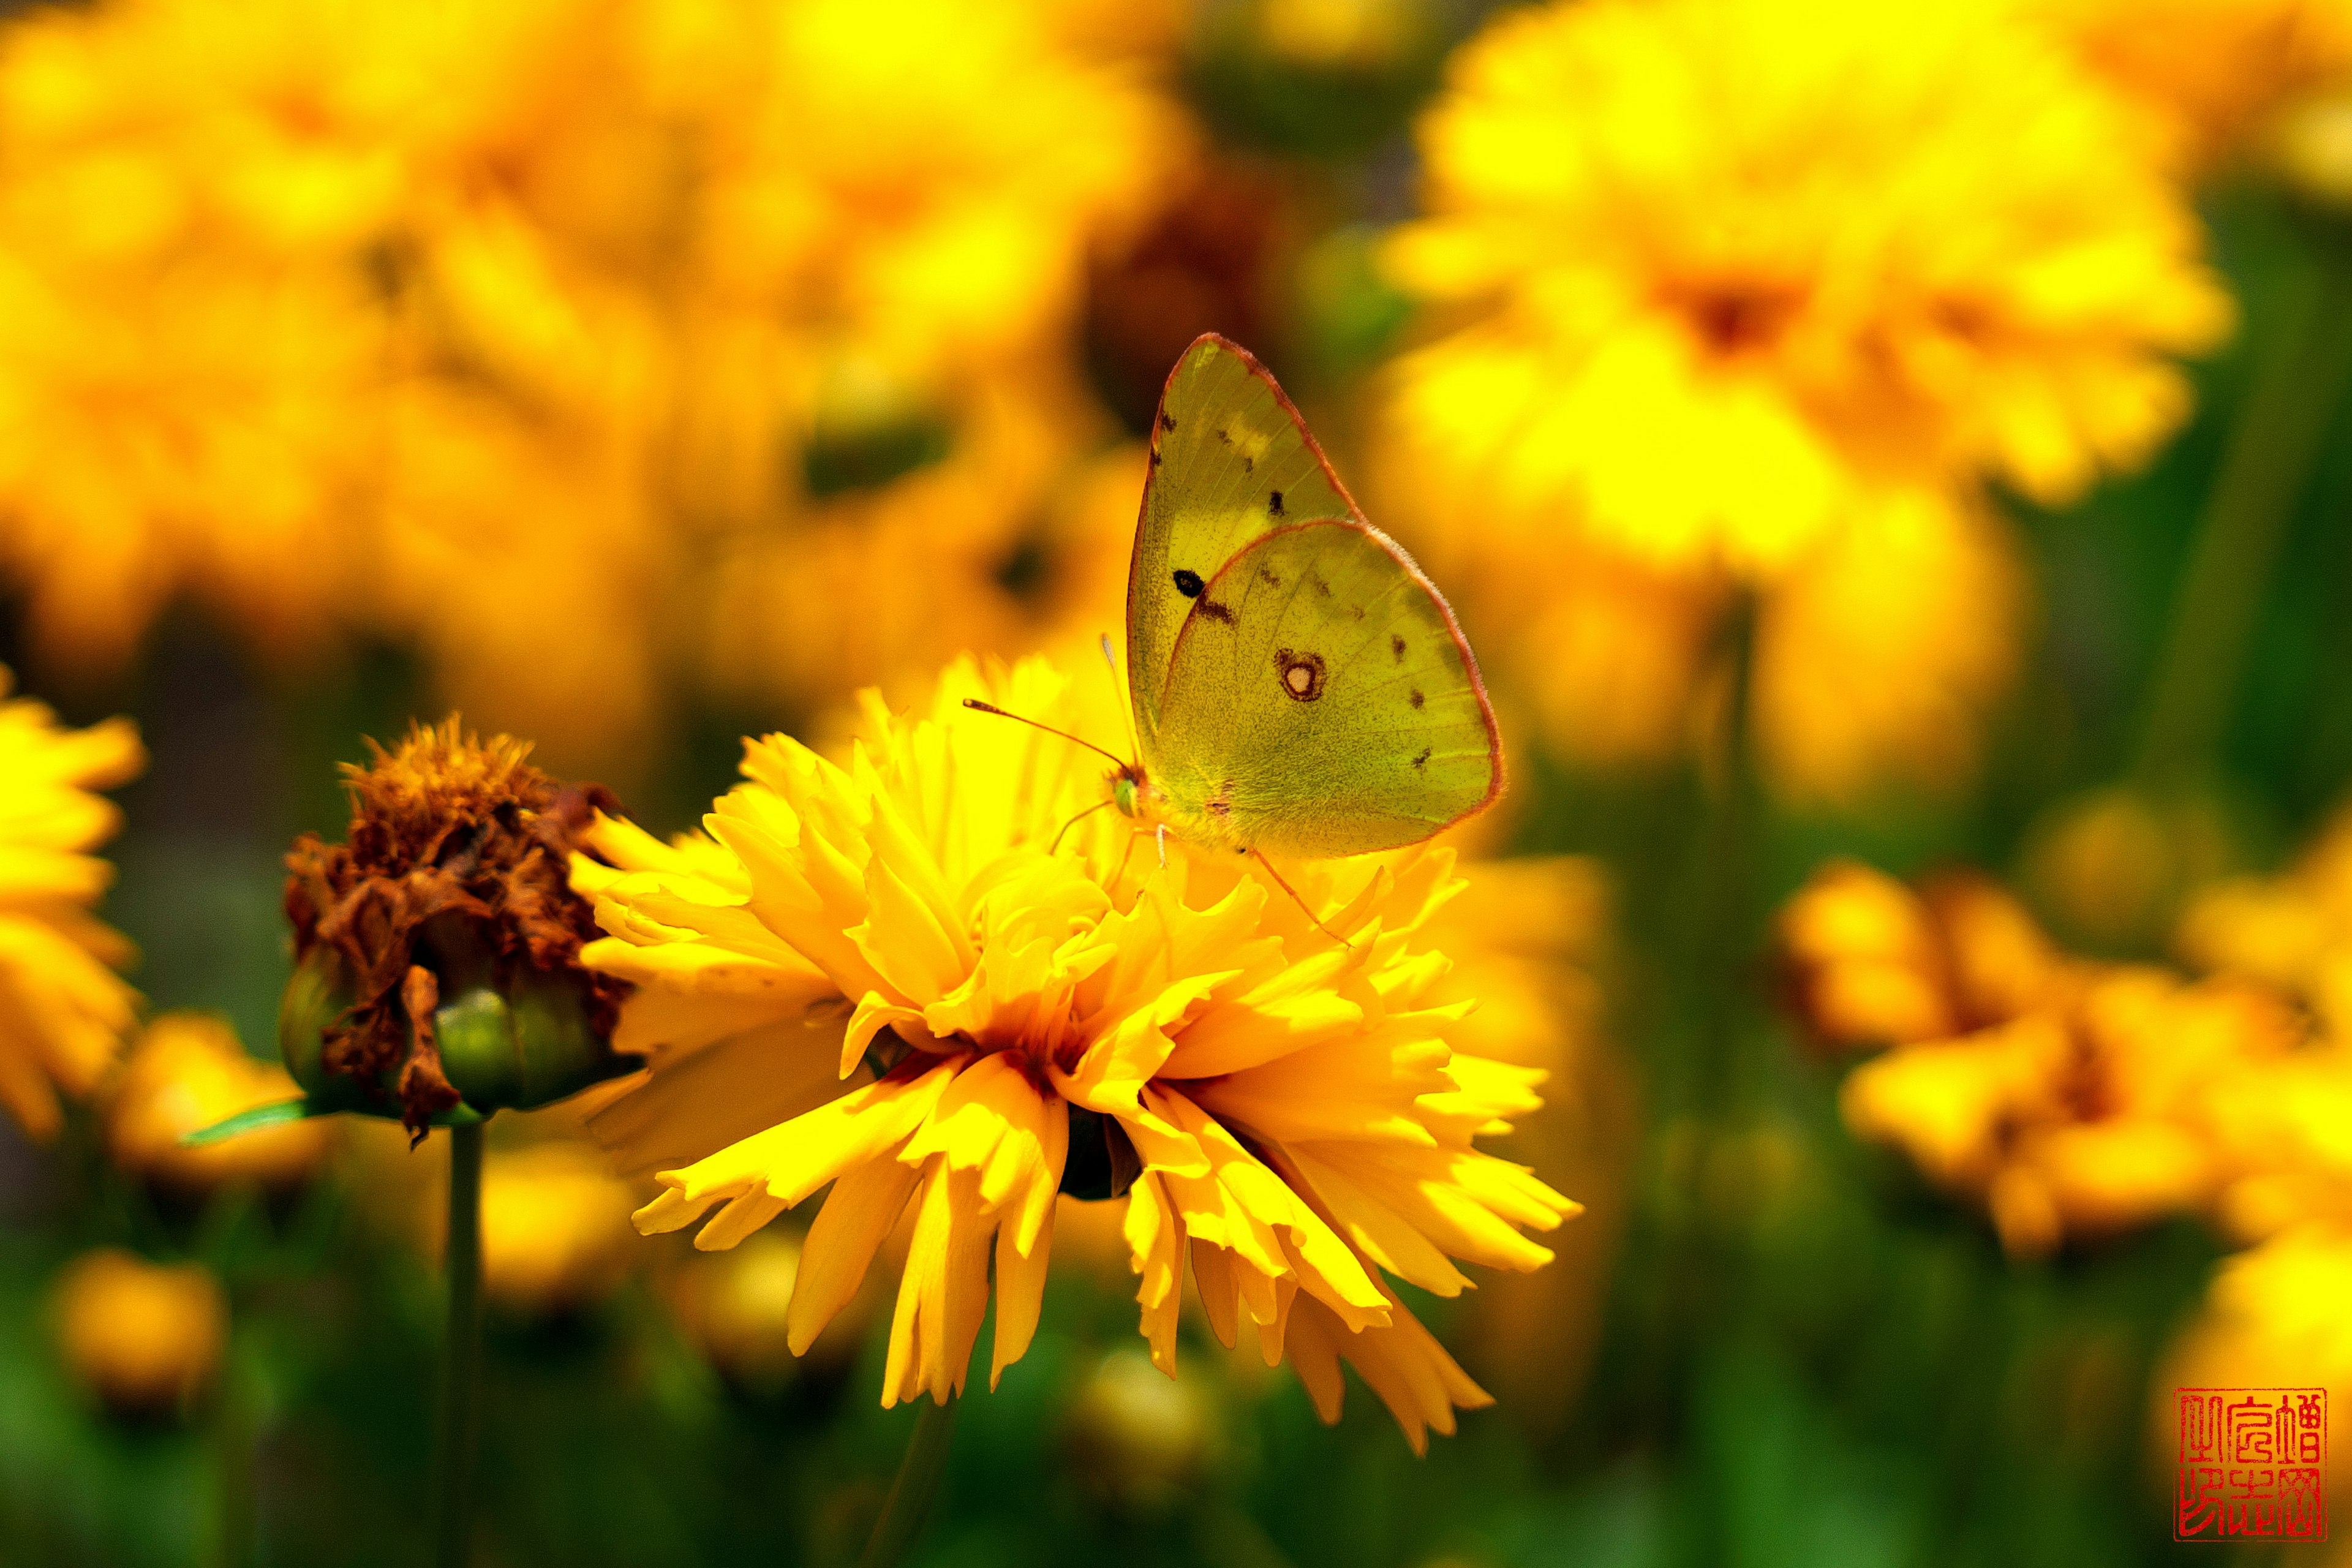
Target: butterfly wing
x,y
1320,701
1230,462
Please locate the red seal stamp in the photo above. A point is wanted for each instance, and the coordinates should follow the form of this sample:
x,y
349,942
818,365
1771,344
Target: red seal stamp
x,y
2252,1461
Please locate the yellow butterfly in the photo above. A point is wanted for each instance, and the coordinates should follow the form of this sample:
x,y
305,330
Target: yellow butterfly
x,y
1298,686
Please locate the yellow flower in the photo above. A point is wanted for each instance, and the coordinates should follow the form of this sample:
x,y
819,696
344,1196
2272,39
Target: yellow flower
x,y
2204,72
1718,270
1016,533
2073,1099
1873,963
2273,1317
465,326
65,1013
2293,931
1877,657
2285,1131
145,1338
189,1071
2083,1117
1137,1440
1282,1112
555,1227
735,1306
1878,649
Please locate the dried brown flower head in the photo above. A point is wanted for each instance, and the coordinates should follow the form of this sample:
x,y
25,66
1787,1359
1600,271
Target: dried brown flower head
x,y
446,927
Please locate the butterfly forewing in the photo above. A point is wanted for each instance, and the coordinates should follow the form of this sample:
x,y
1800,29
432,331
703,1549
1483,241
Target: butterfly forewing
x,y
1230,462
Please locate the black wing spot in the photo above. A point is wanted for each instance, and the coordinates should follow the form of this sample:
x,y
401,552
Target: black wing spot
x,y
1423,760
1155,456
1301,673
1266,575
1167,420
1396,646
1322,589
1216,612
1274,503
1416,697
1189,583
1225,435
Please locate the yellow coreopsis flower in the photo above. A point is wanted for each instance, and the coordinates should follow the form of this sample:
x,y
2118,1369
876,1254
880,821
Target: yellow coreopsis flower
x,y
2070,1098
498,317
1875,963
2273,1318
145,1338
2204,72
1718,270
2077,1119
188,1072
66,1011
2293,931
555,1226
901,977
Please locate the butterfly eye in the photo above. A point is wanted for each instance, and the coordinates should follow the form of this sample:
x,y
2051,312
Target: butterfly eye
x,y
1189,583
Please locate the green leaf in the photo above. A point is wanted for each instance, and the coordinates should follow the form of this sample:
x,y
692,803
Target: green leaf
x,y
253,1120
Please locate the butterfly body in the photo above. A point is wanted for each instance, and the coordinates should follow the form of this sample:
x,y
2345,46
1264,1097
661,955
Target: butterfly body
x,y
1298,686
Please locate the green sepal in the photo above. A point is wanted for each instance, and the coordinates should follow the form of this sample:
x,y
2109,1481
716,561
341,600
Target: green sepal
x,y
253,1119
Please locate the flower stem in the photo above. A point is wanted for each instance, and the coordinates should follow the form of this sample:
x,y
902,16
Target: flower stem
x,y
2296,382
461,1351
919,1474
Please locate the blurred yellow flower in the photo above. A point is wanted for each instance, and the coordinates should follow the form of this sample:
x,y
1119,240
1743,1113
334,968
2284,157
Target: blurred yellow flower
x,y
555,1227
1283,1113
145,1338
2285,1131
1137,1439
1879,650
2293,931
1877,657
1873,963
65,1012
1715,271
735,1307
187,1072
2273,1317
505,319
2083,1117
1018,534
2204,72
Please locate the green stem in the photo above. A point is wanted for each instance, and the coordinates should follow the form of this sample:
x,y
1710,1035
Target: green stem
x,y
461,1351
1727,870
919,1474
2282,425
233,1435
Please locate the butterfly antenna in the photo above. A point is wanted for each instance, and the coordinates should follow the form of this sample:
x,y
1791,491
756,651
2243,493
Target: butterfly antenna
x,y
978,706
1089,811
1134,745
1260,858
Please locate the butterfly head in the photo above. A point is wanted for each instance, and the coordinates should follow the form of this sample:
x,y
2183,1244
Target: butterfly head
x,y
1126,790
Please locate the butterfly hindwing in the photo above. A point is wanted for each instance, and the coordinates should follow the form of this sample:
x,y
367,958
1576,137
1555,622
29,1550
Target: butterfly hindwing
x,y
1230,462
1320,701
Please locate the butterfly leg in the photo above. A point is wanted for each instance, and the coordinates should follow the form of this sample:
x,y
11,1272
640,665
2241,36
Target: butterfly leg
x,y
1302,903
1163,846
1119,875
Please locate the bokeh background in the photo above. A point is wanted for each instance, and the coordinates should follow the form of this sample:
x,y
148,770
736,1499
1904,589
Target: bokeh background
x,y
1890,459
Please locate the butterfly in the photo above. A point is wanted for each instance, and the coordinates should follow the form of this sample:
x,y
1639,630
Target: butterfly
x,y
1298,686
